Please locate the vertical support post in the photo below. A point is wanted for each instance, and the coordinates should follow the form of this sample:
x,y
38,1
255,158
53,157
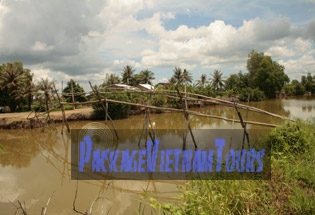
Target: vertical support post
x,y
71,81
187,121
64,119
95,91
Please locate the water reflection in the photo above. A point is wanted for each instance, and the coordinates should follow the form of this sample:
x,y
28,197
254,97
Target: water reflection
x,y
34,164
18,149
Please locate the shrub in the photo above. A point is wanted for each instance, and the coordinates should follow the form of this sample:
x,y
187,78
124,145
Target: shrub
x,y
255,94
291,189
68,107
115,110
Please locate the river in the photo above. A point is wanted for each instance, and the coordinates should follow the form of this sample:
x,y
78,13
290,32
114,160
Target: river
x,y
34,164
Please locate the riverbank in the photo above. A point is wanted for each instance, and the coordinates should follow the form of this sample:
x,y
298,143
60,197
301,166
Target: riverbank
x,y
26,120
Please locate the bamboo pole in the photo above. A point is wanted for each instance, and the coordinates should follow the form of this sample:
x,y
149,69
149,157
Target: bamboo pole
x,y
95,91
179,110
186,115
64,119
71,82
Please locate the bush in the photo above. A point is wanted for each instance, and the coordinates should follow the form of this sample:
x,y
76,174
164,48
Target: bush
x,y
289,139
291,189
68,107
38,107
255,94
115,110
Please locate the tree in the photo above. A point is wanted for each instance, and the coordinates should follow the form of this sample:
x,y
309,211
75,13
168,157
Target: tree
x,y
309,83
146,77
46,86
253,64
12,78
270,77
26,90
112,79
179,77
217,81
77,89
127,74
176,79
265,74
186,77
203,80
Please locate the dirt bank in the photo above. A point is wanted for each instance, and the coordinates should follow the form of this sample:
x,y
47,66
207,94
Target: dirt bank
x,y
26,120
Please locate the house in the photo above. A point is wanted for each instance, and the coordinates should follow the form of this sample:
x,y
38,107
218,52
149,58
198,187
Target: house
x,y
121,87
145,87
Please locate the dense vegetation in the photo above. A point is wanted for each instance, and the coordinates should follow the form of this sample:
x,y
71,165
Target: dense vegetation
x,y
291,189
265,79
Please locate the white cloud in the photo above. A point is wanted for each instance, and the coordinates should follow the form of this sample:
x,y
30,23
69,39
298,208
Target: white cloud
x,y
40,46
87,38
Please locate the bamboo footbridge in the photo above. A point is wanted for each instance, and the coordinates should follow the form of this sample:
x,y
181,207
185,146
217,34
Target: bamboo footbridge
x,y
182,97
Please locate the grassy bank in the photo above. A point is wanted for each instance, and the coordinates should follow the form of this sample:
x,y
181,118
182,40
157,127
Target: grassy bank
x,y
291,189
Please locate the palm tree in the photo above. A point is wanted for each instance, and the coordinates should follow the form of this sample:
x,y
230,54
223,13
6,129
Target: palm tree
x,y
26,91
186,77
11,78
203,80
46,86
113,79
146,77
216,81
127,74
180,77
177,76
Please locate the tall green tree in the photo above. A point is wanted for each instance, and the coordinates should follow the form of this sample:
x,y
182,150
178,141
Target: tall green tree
x,y
176,79
127,74
217,81
181,77
27,89
309,83
270,77
253,65
237,82
146,77
46,87
186,77
12,78
203,80
77,90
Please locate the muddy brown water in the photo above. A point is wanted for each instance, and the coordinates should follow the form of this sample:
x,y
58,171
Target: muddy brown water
x,y
35,164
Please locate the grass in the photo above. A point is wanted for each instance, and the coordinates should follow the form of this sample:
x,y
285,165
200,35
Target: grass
x,y
291,189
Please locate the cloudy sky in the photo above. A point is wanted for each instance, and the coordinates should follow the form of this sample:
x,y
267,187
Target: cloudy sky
x,y
86,39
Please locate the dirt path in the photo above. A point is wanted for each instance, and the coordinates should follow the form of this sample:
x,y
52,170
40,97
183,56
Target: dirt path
x,y
57,114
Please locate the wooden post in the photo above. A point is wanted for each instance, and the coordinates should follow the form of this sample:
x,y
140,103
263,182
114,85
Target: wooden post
x,y
71,81
95,91
245,134
187,121
64,119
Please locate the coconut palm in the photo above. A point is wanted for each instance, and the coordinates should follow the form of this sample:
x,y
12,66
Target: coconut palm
x,y
180,76
203,80
217,81
46,86
127,74
11,79
186,77
26,91
146,77
177,76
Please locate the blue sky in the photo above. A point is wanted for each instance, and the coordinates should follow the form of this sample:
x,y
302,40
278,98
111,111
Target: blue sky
x,y
85,40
